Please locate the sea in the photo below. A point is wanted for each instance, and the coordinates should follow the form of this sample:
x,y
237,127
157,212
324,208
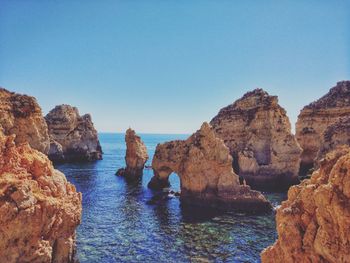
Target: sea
x,y
119,224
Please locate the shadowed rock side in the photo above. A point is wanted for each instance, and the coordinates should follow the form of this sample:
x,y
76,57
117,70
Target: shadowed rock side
x,y
136,156
313,224
73,137
258,133
316,117
39,209
204,166
335,135
21,115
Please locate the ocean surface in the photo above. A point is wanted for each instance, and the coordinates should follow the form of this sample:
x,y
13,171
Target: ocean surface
x,y
119,226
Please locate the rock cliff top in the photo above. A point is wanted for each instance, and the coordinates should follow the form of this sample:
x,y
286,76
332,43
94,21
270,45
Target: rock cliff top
x,y
21,115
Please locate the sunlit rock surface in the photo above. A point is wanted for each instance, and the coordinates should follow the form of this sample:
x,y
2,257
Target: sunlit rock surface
x,y
21,115
313,225
316,117
204,166
136,156
73,137
258,133
39,209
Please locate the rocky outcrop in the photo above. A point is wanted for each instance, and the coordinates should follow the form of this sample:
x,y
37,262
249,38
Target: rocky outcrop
x,y
39,209
136,156
73,137
21,115
316,117
258,133
204,166
313,224
335,135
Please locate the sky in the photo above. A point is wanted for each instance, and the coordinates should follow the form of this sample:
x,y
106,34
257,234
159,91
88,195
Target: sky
x,y
167,66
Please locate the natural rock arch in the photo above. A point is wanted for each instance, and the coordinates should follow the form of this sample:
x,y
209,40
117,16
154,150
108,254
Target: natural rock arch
x,y
204,166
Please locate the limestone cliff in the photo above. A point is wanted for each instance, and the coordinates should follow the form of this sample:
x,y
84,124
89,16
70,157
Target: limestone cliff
x,y
73,137
258,133
316,117
313,225
39,209
204,166
136,156
336,134
21,115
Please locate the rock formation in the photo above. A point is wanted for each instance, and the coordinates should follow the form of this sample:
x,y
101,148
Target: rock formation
x,y
316,117
39,209
73,137
258,133
204,166
313,225
21,115
136,156
335,135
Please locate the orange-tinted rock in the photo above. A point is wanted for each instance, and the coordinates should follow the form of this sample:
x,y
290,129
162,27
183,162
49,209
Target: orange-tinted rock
x,y
73,137
21,115
316,117
136,156
204,166
335,135
258,133
39,209
313,225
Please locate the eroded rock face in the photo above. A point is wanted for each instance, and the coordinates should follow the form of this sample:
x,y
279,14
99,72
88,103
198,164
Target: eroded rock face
x,y
136,156
316,117
73,137
313,224
39,209
258,133
21,115
204,166
336,134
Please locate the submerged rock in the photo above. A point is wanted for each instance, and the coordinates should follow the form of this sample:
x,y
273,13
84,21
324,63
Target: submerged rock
x,y
258,133
73,137
313,224
316,117
21,115
39,209
204,166
136,156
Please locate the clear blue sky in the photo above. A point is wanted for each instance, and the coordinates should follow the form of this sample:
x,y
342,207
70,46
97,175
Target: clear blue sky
x,y
167,66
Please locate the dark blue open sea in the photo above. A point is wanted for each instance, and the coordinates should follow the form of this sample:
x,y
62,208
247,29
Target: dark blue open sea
x,y
119,226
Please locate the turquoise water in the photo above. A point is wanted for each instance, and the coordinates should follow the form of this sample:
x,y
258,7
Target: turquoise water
x,y
119,226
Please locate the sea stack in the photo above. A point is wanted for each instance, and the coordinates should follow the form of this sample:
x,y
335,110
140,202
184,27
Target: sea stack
x,y
73,137
316,117
39,209
21,115
257,131
136,156
313,224
204,165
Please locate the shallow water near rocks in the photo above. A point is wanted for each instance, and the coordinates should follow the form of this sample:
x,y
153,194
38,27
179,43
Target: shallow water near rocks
x,y
119,226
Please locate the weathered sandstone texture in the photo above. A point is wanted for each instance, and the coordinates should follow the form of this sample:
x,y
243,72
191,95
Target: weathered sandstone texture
x,y
313,225
258,133
336,134
73,137
21,115
316,117
39,209
136,156
204,166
